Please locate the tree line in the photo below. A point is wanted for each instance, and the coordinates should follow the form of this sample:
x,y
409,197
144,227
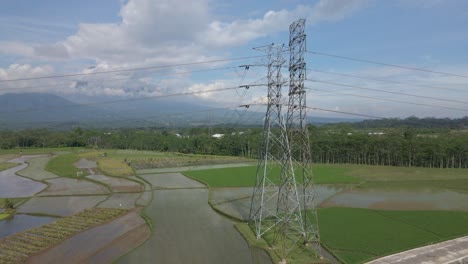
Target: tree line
x,y
339,143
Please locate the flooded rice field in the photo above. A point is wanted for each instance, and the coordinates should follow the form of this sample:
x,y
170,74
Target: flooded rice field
x,y
101,244
171,181
12,185
187,230
20,222
195,167
414,199
66,186
36,169
118,184
60,205
121,200
236,201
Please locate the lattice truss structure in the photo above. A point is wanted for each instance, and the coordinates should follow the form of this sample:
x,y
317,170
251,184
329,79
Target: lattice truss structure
x,y
283,198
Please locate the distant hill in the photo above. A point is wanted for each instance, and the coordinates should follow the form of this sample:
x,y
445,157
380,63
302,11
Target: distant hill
x,y
43,110
414,122
31,110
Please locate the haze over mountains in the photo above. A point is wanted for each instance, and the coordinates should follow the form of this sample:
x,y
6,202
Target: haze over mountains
x,y
44,110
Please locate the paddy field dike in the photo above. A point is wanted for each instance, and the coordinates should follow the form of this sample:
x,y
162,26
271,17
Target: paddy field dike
x,y
130,206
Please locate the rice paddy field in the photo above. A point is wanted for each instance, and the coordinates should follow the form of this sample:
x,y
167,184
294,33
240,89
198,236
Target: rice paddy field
x,y
365,212
17,248
376,212
36,169
66,186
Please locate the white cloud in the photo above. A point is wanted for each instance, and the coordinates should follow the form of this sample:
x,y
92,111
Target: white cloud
x,y
159,32
16,48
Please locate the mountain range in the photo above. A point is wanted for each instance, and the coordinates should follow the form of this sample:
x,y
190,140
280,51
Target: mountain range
x,y
43,110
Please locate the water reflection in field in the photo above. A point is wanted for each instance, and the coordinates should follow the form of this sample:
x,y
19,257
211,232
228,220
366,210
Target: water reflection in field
x,y
19,223
401,199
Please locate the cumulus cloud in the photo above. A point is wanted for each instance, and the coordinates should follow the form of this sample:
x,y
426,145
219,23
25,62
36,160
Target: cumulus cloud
x,y
16,48
175,30
164,32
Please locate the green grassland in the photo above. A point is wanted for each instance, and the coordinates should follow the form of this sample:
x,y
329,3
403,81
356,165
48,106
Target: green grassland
x,y
62,165
245,176
366,176
7,165
357,235
4,216
34,151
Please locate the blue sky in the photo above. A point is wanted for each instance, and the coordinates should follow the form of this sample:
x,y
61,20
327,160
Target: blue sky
x,y
50,37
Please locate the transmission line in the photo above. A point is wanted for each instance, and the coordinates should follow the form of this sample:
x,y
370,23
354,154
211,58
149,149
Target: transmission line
x,y
115,79
132,99
386,64
390,92
390,100
388,81
132,69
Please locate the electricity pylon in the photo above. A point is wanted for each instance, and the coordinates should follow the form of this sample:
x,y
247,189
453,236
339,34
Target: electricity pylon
x,y
282,201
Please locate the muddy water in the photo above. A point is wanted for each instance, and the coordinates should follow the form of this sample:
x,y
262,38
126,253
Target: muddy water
x,y
12,185
401,199
19,223
187,230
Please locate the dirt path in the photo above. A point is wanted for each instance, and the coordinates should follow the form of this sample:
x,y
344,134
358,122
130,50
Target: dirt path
x,y
100,244
452,251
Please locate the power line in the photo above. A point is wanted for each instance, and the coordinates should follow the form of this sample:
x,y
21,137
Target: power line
x,y
339,112
148,117
391,100
390,92
387,81
132,69
116,79
132,99
343,112
385,64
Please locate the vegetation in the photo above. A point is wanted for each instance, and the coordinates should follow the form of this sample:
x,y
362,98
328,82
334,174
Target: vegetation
x,y
4,216
426,145
114,167
17,248
370,234
62,165
9,203
245,176
179,159
7,165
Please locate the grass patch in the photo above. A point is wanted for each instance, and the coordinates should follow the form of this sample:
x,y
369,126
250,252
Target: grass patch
x,y
247,233
4,216
170,160
7,165
245,176
33,151
358,235
4,202
63,166
299,255
114,167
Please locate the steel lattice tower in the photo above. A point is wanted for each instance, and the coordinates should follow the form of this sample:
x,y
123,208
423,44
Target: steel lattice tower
x,y
284,190
272,157
298,134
